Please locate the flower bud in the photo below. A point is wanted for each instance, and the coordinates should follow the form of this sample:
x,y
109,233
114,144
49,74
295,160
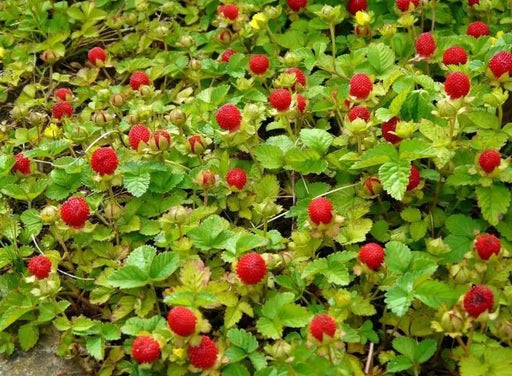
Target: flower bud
x,y
177,117
49,214
49,57
186,41
113,210
101,118
117,100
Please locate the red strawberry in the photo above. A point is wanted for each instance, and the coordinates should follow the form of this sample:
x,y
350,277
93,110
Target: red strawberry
x,y
360,86
455,55
75,212
229,11
356,5
296,5
473,2
40,266
487,245
226,55
501,63
457,85
403,5
22,164
414,178
104,161
236,178
160,137
320,211
229,117
302,103
425,45
258,64
478,300
62,109
138,133
387,128
300,77
196,143
359,112
137,79
489,160
251,268
280,99
97,55
372,255
63,94
477,29
182,321
145,349
204,355
321,325
373,185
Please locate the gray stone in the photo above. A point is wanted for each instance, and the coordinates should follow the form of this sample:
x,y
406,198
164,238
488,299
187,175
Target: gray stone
x,y
40,361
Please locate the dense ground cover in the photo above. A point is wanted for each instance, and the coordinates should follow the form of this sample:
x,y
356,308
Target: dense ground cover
x,y
258,187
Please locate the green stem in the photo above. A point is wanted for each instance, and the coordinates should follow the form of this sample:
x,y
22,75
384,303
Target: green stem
x,y
333,42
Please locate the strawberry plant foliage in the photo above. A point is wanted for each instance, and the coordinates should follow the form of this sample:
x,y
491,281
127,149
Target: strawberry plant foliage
x,y
258,187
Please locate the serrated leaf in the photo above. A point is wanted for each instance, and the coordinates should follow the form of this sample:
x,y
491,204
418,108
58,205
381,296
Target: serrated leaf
x,y
435,293
128,277
398,257
136,183
317,139
493,201
269,156
243,339
269,328
394,177
163,265
141,257
28,335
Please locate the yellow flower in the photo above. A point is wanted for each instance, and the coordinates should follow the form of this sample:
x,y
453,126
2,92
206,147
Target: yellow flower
x,y
258,21
52,131
362,18
2,52
499,34
178,353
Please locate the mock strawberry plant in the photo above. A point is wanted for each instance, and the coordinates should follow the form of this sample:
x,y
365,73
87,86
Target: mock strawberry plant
x,y
263,187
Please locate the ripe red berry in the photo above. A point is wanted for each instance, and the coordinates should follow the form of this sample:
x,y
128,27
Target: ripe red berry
x,y
320,211
359,112
487,245
489,160
194,142
182,321
161,136
137,79
63,94
229,117
387,128
403,5
414,178
104,161
97,54
22,164
478,300
280,99
300,77
455,55
356,5
372,255
145,349
477,29
302,103
204,355
425,45
473,2
457,85
62,109
226,55
296,5
500,64
373,185
360,86
251,268
258,64
138,133
40,266
75,212
236,178
230,11
321,325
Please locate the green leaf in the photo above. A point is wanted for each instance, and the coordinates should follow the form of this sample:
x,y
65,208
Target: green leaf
x,y
398,257
400,296
425,350
294,316
142,257
269,328
381,58
128,277
473,366
317,139
400,363
378,155
163,266
411,214
493,201
136,183
269,156
305,161
12,314
243,339
436,293
210,233
483,119
32,221
96,347
405,346
28,335
394,176
133,326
